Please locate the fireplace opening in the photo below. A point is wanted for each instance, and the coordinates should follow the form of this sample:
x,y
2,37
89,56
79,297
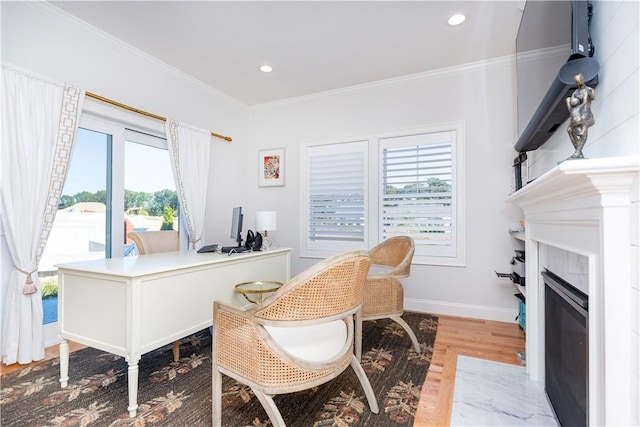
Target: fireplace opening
x,y
566,350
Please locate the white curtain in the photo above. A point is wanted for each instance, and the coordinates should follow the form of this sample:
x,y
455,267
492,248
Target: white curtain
x,y
39,121
189,149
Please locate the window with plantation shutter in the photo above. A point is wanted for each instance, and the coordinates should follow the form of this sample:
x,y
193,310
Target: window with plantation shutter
x,y
336,197
416,191
357,194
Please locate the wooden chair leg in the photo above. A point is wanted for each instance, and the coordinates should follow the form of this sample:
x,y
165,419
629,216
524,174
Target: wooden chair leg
x,y
216,397
412,336
176,351
358,336
270,408
366,385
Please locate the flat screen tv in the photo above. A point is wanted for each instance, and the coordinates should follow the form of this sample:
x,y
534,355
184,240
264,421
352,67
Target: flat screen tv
x,y
552,46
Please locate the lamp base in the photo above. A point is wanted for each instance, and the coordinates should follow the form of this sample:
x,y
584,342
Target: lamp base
x,y
267,241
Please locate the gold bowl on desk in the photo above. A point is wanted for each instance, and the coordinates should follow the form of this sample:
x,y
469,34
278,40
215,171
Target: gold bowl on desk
x,y
254,292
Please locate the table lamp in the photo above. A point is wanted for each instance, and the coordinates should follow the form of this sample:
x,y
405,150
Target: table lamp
x,y
266,221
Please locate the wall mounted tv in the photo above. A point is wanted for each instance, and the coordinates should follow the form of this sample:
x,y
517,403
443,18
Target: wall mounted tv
x,y
552,46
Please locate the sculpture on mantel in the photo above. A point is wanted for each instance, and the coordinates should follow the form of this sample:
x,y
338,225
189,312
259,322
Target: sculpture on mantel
x,y
580,115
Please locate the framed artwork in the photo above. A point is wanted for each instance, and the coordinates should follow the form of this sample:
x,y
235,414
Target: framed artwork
x,y
271,168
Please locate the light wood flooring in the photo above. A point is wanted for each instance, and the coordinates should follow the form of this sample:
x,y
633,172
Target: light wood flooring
x,y
484,339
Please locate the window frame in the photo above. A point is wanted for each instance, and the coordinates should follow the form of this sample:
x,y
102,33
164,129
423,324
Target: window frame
x,y
126,126
373,197
456,254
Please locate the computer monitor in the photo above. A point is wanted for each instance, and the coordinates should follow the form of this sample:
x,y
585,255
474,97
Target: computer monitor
x,y
236,226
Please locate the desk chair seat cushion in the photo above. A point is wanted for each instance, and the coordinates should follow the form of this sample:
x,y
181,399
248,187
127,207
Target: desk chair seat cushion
x,y
313,343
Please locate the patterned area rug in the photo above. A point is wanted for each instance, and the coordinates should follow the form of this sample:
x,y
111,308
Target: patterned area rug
x,y
179,393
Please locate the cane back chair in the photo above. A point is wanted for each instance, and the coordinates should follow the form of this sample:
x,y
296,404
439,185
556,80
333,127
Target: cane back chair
x,y
383,292
299,337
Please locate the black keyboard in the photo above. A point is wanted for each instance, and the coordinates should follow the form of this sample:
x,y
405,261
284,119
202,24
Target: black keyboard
x,y
208,248
233,249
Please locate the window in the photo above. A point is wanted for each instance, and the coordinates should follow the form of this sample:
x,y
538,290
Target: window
x,y
336,197
119,180
150,198
417,189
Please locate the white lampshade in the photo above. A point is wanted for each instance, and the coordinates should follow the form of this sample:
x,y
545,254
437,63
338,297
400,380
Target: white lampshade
x,y
266,221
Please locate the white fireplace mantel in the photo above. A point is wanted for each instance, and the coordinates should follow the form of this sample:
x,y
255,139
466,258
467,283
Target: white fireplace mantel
x,y
589,207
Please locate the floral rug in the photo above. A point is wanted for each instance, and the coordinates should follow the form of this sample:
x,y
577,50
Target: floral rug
x,y
179,393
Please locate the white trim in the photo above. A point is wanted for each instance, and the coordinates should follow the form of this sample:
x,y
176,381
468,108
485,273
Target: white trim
x,y
460,310
98,110
508,60
585,206
117,173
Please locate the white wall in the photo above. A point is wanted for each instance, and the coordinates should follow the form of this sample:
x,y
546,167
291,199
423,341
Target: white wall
x,y
482,95
634,300
614,31
40,38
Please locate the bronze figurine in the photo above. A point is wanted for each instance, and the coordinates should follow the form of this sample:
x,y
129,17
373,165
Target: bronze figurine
x,y
580,115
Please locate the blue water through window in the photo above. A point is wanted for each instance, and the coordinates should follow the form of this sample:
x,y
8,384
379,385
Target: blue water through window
x,y
50,310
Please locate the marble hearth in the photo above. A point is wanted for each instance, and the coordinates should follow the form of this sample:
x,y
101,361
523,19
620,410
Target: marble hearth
x,y
590,207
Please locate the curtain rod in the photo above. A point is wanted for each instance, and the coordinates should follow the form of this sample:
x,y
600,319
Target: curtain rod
x,y
144,113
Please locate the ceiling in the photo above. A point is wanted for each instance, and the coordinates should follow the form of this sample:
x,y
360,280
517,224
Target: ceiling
x,y
312,46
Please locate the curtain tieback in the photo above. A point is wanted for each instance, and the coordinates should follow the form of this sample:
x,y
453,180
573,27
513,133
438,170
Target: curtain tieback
x,y
193,242
29,286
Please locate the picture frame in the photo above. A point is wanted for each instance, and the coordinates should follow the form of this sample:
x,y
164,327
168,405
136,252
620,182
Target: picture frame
x,y
271,168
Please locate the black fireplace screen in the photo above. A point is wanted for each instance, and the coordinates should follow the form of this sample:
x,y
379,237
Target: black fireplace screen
x,y
566,350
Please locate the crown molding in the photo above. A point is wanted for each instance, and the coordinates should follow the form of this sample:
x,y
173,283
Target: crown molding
x,y
502,61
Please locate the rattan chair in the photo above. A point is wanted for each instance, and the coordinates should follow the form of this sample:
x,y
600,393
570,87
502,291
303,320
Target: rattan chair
x,y
151,242
383,292
299,337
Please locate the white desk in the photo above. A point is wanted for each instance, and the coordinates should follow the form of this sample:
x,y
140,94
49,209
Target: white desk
x,y
133,305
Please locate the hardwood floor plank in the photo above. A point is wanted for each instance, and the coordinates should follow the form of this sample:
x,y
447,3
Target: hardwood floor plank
x,y
484,339
49,353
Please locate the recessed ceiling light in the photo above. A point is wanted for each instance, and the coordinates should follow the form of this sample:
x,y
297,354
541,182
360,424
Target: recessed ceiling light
x,y
266,69
456,19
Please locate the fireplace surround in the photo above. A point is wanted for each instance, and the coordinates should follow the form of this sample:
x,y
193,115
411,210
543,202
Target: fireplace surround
x,y
590,207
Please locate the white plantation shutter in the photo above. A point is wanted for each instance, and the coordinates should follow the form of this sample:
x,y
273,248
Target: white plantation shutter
x,y
336,196
357,194
416,192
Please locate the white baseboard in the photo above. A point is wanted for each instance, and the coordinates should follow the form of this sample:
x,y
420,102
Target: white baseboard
x,y
461,310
